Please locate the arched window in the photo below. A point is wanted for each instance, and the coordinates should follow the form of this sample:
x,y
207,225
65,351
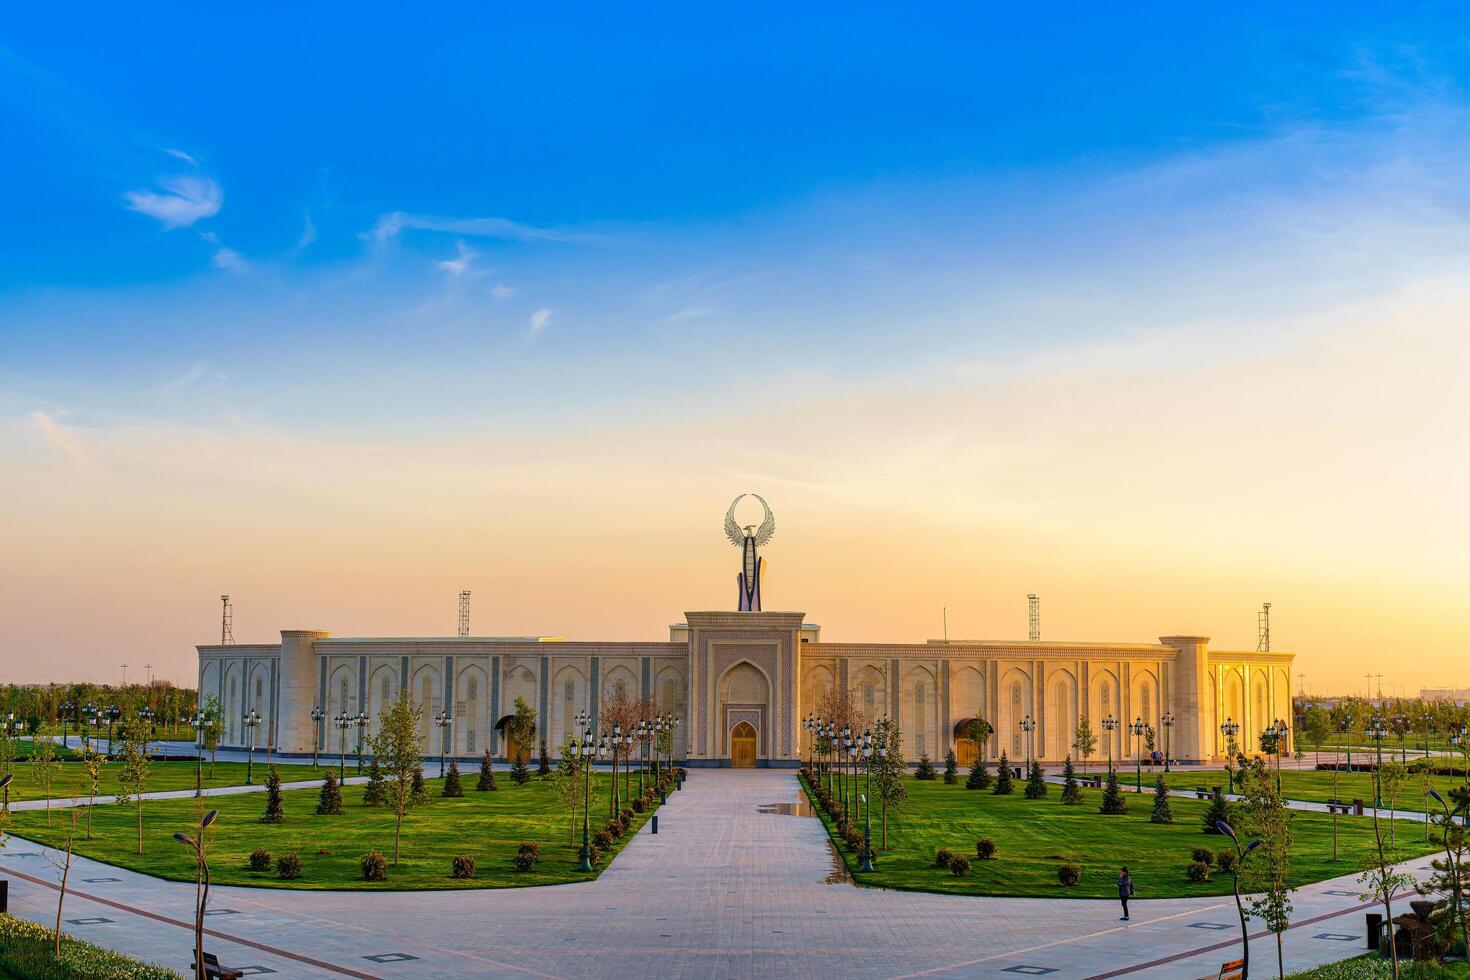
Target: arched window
x,y
1143,703
385,689
868,695
1016,716
473,689
342,696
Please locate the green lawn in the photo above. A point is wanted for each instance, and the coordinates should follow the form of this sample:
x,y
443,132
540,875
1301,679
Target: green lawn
x,y
1034,837
1315,786
489,826
163,776
1371,966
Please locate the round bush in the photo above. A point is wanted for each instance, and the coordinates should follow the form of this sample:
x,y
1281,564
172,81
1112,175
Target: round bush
x,y
260,859
854,840
531,846
602,839
374,867
960,866
1225,861
1197,871
943,858
625,816
524,861
289,866
594,854
985,849
1203,855
463,866
1069,874
638,805
616,828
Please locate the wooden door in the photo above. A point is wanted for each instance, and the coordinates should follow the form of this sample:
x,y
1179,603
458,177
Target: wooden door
x,y
742,746
965,752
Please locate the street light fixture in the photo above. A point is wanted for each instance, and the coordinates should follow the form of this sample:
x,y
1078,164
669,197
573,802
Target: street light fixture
x,y
201,722
443,720
586,749
1110,725
1230,728
252,722
318,715
1240,856
1377,732
1136,728
113,714
871,749
343,722
1279,730
1168,722
361,721
1027,727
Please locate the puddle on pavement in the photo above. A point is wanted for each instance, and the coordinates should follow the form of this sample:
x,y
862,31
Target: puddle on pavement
x,y
838,875
801,808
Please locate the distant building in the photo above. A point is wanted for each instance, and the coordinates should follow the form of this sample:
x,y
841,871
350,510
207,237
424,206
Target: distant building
x,y
1457,694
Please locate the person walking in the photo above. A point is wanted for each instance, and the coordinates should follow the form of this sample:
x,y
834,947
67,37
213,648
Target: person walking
x,y
1125,892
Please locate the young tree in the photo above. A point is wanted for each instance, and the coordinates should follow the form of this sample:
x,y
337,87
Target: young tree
x,y
521,728
1317,727
44,765
1451,875
373,791
486,782
399,748
1217,811
274,812
1004,784
544,769
1391,779
1112,800
925,768
979,731
1162,813
133,771
92,762
1263,816
214,714
1035,782
951,768
1084,740
329,802
888,772
979,777
1071,792
417,790
1383,880
452,788
568,781
7,754
617,713
60,859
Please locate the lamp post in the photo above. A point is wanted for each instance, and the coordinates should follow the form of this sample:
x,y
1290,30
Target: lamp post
x,y
343,722
1136,728
842,752
1377,732
1110,725
645,734
1027,727
443,719
201,900
808,724
1230,728
1457,738
252,722
68,707
361,721
827,754
318,715
854,751
1168,722
1240,855
871,750
628,739
586,749
145,714
200,721
1280,728
113,714
1401,726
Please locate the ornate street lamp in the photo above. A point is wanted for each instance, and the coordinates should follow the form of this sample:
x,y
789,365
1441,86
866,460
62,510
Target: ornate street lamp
x,y
810,725
201,722
68,707
361,721
343,722
1230,728
1377,732
1136,728
1240,856
443,720
1168,722
1027,727
586,750
854,750
318,715
871,750
843,748
1110,725
1278,731
113,714
252,722
1401,727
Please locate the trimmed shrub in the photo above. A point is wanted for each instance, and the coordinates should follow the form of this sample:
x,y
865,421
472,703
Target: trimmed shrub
x,y
453,788
330,800
260,859
639,806
1203,855
544,769
531,847
486,782
979,777
926,768
274,813
1112,801
1219,810
1197,871
1162,812
463,866
1225,861
985,849
1004,782
616,828
1069,874
854,839
527,856
943,857
1071,791
374,867
288,866
594,854
951,768
625,817
602,839
1035,782
960,866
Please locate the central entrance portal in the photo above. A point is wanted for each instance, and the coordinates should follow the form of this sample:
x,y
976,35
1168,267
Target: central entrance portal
x,y
742,746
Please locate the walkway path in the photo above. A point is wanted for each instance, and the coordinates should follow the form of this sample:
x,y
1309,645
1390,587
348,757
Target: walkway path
x,y
724,889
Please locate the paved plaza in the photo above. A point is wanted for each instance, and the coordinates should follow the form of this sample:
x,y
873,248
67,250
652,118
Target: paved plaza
x,y
734,884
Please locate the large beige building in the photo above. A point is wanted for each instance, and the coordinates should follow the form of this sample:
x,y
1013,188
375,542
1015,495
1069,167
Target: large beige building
x,y
743,681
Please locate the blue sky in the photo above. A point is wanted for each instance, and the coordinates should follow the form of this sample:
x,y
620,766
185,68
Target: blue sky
x,y
984,265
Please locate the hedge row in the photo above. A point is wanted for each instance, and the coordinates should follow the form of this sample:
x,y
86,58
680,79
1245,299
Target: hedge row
x,y
27,950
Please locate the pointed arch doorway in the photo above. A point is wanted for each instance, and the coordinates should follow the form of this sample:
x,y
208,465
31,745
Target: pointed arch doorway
x,y
742,746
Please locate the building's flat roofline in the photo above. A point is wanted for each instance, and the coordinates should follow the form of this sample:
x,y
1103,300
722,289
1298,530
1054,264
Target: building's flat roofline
x,y
442,639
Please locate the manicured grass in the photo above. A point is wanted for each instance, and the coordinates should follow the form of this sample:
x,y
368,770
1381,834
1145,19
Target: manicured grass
x,y
1034,837
1371,966
488,826
1315,786
71,780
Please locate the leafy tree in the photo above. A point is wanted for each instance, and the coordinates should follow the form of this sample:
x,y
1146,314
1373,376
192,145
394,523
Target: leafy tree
x,y
1112,800
452,787
1391,779
1035,782
1317,727
329,802
374,793
1004,784
979,777
1071,792
520,728
888,770
44,765
1084,740
274,813
951,768
399,748
1217,811
1162,813
1263,816
925,769
979,731
486,781
133,776
520,773
92,762
1450,877
7,752
60,858
569,787
213,713
1382,880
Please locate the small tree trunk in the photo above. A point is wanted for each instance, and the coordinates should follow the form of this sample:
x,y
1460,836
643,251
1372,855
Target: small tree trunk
x,y
61,896
140,820
397,833
1280,959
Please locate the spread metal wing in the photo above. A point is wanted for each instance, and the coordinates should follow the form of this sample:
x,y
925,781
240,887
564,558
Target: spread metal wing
x,y
732,530
768,526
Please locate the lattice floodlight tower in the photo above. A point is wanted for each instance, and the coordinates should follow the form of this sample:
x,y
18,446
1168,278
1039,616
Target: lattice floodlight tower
x,y
226,622
1263,629
1033,607
464,613
748,539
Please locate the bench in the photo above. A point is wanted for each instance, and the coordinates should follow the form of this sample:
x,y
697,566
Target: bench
x,y
213,971
1234,970
1200,793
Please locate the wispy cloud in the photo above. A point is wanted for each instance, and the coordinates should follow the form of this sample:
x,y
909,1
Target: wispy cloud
x,y
540,319
460,264
308,233
689,313
394,223
501,291
180,154
181,202
224,257
59,437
